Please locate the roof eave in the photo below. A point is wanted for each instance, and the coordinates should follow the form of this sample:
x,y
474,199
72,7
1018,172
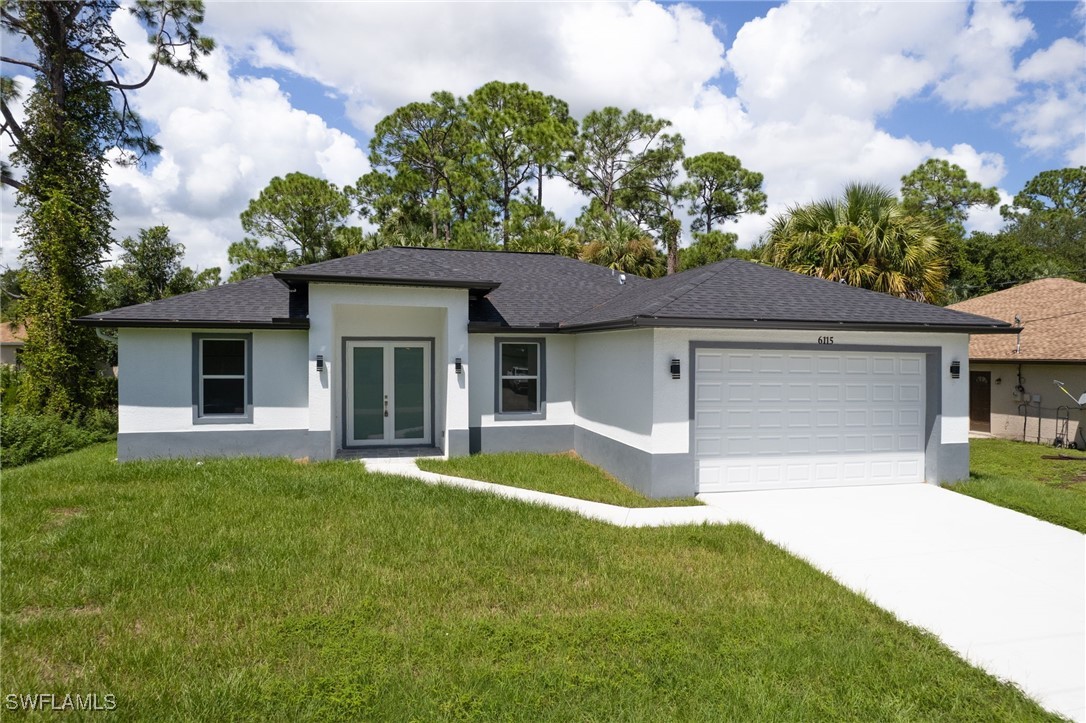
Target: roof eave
x,y
480,285
1023,360
105,322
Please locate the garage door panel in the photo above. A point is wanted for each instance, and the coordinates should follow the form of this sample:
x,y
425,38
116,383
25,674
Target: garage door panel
x,y
808,419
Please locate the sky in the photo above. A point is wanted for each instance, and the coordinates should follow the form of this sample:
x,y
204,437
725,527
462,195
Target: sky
x,y
811,94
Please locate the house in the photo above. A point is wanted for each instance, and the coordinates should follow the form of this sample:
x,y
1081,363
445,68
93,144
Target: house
x,y
1015,381
12,339
727,377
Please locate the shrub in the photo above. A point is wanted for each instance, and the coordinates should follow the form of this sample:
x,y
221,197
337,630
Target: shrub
x,y
26,438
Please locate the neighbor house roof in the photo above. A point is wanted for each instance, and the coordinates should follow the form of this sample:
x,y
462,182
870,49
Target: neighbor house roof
x,y
525,291
1053,322
12,335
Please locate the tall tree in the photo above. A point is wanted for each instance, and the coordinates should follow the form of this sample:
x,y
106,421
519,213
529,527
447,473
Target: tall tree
x,y
652,195
516,137
710,247
422,154
621,245
866,239
1050,212
304,218
610,146
943,191
150,268
76,111
720,189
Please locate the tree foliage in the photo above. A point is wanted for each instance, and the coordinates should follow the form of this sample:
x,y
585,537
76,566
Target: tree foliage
x,y
303,218
76,111
943,191
864,238
710,247
720,189
150,268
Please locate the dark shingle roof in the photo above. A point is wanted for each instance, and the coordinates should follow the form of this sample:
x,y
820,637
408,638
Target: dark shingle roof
x,y
530,291
410,266
260,301
735,292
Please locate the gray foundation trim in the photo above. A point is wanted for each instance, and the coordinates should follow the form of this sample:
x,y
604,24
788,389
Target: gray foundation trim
x,y
934,471
953,462
246,418
531,438
459,444
653,475
343,386
294,443
542,413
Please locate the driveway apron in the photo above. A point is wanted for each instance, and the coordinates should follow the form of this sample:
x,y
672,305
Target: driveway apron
x,y
1005,590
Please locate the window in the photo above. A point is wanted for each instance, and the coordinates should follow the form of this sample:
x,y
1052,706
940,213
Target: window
x,y
222,367
520,377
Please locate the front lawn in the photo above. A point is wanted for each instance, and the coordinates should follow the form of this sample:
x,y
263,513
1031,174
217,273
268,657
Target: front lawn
x,y
266,589
1017,475
560,474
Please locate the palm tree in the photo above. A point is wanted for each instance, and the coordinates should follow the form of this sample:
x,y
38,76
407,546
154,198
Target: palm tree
x,y
864,239
623,246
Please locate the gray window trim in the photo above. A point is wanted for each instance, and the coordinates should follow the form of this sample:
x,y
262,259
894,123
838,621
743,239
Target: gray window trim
x,y
197,417
541,413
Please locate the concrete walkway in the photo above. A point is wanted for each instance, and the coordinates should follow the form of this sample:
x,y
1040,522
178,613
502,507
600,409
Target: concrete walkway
x,y
621,516
1005,590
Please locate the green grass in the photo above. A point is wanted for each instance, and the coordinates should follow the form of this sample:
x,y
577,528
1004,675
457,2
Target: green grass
x,y
265,589
560,474
1016,475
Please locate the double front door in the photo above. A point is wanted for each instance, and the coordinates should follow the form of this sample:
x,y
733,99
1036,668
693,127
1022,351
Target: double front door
x,y
388,393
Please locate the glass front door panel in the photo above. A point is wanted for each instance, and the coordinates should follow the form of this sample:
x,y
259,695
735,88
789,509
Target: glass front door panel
x,y
369,392
409,415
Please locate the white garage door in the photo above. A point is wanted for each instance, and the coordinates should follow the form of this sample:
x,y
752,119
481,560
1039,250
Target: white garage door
x,y
773,419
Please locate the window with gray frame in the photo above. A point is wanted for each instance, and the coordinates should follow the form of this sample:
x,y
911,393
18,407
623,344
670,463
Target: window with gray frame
x,y
222,376
520,377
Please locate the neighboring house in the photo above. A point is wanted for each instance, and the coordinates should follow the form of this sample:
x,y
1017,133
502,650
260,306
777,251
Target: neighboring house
x,y
12,339
726,377
1012,379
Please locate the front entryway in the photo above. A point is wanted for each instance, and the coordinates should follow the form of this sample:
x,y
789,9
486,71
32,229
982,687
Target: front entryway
x,y
388,393
980,401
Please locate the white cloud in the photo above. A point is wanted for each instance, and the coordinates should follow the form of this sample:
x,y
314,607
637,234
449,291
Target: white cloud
x,y
1061,61
222,140
382,55
848,59
1053,118
981,72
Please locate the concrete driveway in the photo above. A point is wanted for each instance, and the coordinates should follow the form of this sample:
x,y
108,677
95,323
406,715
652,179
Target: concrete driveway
x,y
1005,590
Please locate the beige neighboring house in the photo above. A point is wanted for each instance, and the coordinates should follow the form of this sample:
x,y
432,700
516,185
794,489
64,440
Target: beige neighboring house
x,y
1013,390
12,339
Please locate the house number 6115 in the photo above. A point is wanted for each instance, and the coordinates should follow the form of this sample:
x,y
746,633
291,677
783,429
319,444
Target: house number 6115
x,y
825,340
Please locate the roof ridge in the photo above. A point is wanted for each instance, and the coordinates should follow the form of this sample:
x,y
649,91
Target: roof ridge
x,y
685,289
447,267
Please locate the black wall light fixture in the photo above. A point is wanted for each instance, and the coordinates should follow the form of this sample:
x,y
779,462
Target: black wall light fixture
x,y
459,366
955,369
675,369
320,363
